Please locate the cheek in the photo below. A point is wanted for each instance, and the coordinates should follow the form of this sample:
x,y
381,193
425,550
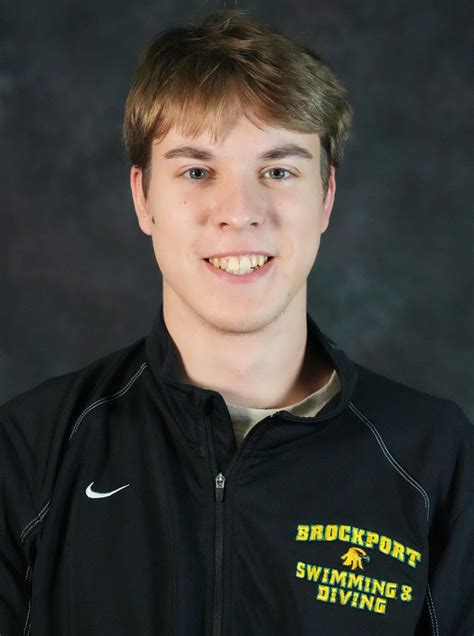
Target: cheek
x,y
173,238
308,221
167,214
308,235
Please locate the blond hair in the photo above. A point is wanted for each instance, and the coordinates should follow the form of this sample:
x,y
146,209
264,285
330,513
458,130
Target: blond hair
x,y
194,77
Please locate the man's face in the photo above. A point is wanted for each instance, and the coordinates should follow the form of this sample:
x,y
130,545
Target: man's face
x,y
232,200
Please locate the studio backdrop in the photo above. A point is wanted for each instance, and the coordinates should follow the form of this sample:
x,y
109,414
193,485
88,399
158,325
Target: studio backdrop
x,y
392,282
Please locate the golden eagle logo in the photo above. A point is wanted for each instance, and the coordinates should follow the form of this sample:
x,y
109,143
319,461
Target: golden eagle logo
x,y
353,557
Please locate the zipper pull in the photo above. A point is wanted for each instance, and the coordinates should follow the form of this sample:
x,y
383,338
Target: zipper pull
x,y
220,483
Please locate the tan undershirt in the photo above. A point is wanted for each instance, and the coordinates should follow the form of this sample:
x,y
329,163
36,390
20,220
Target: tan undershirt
x,y
243,418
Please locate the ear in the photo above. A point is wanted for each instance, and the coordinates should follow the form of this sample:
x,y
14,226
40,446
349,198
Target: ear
x,y
329,200
139,200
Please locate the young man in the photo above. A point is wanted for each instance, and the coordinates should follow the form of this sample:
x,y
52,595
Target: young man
x,y
234,473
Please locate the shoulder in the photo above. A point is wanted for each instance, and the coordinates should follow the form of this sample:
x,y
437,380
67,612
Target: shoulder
x,y
426,438
75,389
38,422
406,410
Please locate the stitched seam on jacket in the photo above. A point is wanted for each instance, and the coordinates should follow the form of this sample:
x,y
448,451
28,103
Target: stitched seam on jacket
x,y
428,605
26,627
108,398
392,460
416,485
29,526
434,620
26,531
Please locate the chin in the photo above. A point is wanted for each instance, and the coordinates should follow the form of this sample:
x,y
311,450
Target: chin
x,y
228,320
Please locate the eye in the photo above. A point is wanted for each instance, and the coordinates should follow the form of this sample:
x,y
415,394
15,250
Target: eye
x,y
195,170
279,172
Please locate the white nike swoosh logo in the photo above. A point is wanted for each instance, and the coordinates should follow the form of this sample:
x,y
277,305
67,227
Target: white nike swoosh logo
x,y
98,495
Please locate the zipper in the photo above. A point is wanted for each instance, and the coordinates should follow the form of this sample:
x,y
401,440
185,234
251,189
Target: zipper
x,y
219,557
219,491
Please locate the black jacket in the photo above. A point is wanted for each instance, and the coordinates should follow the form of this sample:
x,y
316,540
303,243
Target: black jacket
x,y
126,508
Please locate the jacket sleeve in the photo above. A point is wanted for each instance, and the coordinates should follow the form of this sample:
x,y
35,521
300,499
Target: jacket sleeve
x,y
449,606
16,545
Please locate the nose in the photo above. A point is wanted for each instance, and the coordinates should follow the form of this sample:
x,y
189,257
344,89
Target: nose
x,y
238,205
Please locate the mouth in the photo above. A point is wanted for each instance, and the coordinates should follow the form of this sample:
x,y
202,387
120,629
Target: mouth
x,y
239,265
236,271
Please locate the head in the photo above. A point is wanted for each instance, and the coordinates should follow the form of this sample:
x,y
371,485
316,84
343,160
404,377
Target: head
x,y
236,89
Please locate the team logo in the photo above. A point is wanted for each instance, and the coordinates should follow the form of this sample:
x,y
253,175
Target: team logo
x,y
350,587
353,557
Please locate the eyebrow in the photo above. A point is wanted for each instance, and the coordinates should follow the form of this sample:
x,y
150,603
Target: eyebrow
x,y
279,152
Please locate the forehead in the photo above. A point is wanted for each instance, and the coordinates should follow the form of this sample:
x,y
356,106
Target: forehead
x,y
242,134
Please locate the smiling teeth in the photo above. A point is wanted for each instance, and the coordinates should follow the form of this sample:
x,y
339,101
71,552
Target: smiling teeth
x,y
239,266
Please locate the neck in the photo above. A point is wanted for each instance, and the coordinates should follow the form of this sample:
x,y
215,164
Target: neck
x,y
271,365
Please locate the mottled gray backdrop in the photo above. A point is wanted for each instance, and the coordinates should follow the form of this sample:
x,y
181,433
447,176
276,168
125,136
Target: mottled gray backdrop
x,y
393,277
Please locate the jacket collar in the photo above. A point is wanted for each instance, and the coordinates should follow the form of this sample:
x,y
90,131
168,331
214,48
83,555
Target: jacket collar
x,y
163,361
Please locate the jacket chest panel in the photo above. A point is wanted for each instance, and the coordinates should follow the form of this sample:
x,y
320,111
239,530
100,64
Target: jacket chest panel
x,y
341,547
134,529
